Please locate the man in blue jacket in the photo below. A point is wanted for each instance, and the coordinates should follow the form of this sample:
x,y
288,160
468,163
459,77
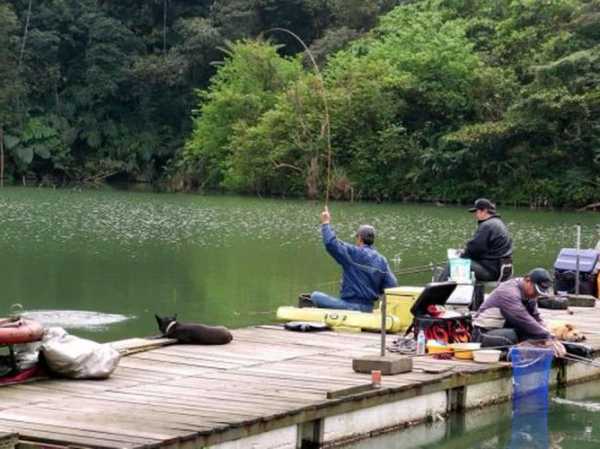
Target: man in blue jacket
x,y
366,272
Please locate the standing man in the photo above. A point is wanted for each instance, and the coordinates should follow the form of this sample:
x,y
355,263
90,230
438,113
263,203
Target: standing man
x,y
366,272
510,314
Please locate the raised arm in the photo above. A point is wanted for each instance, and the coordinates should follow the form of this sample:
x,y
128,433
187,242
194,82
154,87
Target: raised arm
x,y
336,248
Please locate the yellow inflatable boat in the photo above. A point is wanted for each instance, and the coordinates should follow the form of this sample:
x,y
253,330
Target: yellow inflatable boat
x,y
398,317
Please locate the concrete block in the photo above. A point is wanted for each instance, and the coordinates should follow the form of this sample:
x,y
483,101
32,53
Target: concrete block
x,y
388,365
581,300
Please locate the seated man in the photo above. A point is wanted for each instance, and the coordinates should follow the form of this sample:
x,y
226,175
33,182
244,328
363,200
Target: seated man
x,y
490,247
366,272
510,314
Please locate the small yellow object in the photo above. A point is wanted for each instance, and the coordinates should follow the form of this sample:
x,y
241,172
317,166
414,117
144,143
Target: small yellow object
x,y
464,350
433,347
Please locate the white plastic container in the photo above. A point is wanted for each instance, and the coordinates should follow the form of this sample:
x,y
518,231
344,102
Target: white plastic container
x,y
487,355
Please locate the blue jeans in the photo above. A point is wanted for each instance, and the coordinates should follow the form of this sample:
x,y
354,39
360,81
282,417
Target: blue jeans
x,y
326,301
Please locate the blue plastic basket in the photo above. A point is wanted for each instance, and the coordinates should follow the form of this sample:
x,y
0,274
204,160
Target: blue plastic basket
x,y
531,373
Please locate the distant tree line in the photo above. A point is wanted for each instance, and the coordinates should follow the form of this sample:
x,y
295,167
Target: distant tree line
x,y
428,100
98,89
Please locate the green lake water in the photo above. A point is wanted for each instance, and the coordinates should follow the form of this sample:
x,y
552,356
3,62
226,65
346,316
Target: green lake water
x,y
572,421
216,259
101,263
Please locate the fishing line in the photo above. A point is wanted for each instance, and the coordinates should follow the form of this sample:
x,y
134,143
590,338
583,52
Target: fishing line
x,y
323,96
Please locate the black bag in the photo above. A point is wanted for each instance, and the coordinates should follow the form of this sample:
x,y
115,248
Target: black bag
x,y
451,330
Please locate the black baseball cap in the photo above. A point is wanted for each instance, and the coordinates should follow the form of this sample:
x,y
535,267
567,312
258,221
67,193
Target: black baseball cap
x,y
542,281
483,204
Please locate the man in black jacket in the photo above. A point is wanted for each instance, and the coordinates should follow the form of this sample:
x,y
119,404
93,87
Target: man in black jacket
x,y
490,247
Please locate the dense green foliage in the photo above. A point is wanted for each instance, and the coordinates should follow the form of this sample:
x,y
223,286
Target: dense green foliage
x,y
97,88
427,99
442,100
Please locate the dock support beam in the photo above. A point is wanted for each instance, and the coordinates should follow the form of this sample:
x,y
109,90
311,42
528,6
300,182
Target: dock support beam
x,y
310,434
456,399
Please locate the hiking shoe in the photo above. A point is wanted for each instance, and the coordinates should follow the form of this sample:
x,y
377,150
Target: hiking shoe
x,y
305,301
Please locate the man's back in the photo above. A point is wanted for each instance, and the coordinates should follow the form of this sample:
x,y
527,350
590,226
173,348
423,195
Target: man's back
x,y
366,272
491,240
519,312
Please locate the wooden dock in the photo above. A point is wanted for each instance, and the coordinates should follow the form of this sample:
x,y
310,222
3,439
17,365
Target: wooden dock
x,y
267,389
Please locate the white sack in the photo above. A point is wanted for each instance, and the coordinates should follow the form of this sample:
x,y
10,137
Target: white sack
x,y
26,354
79,358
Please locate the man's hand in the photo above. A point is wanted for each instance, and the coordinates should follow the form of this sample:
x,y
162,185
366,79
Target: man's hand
x,y
325,217
558,348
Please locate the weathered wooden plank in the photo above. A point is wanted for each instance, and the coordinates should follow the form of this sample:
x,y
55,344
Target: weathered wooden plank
x,y
157,419
175,405
162,367
114,423
221,397
195,362
32,429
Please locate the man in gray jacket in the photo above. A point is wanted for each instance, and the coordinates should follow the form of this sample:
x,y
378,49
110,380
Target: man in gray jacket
x,y
510,314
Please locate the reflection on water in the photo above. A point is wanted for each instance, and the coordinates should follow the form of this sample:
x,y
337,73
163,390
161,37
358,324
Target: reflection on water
x,y
216,259
529,431
529,424
589,406
572,421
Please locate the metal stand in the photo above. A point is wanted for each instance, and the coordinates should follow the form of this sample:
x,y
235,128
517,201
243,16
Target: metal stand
x,y
387,365
577,248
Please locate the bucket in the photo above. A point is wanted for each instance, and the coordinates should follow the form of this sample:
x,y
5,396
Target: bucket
x,y
460,270
531,373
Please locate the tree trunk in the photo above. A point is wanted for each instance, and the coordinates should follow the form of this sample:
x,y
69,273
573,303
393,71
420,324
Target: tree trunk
x,y
25,33
312,179
165,26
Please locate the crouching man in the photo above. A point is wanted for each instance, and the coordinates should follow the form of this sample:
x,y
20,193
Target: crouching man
x,y
510,314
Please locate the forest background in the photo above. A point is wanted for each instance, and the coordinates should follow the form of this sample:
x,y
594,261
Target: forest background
x,y
431,100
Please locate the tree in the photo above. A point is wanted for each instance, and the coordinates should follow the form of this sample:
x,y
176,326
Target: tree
x,y
11,86
246,85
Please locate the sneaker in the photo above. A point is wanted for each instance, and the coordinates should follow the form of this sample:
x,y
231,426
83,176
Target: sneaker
x,y
305,301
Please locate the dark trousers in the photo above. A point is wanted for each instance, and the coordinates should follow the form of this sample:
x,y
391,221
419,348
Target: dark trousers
x,y
494,337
